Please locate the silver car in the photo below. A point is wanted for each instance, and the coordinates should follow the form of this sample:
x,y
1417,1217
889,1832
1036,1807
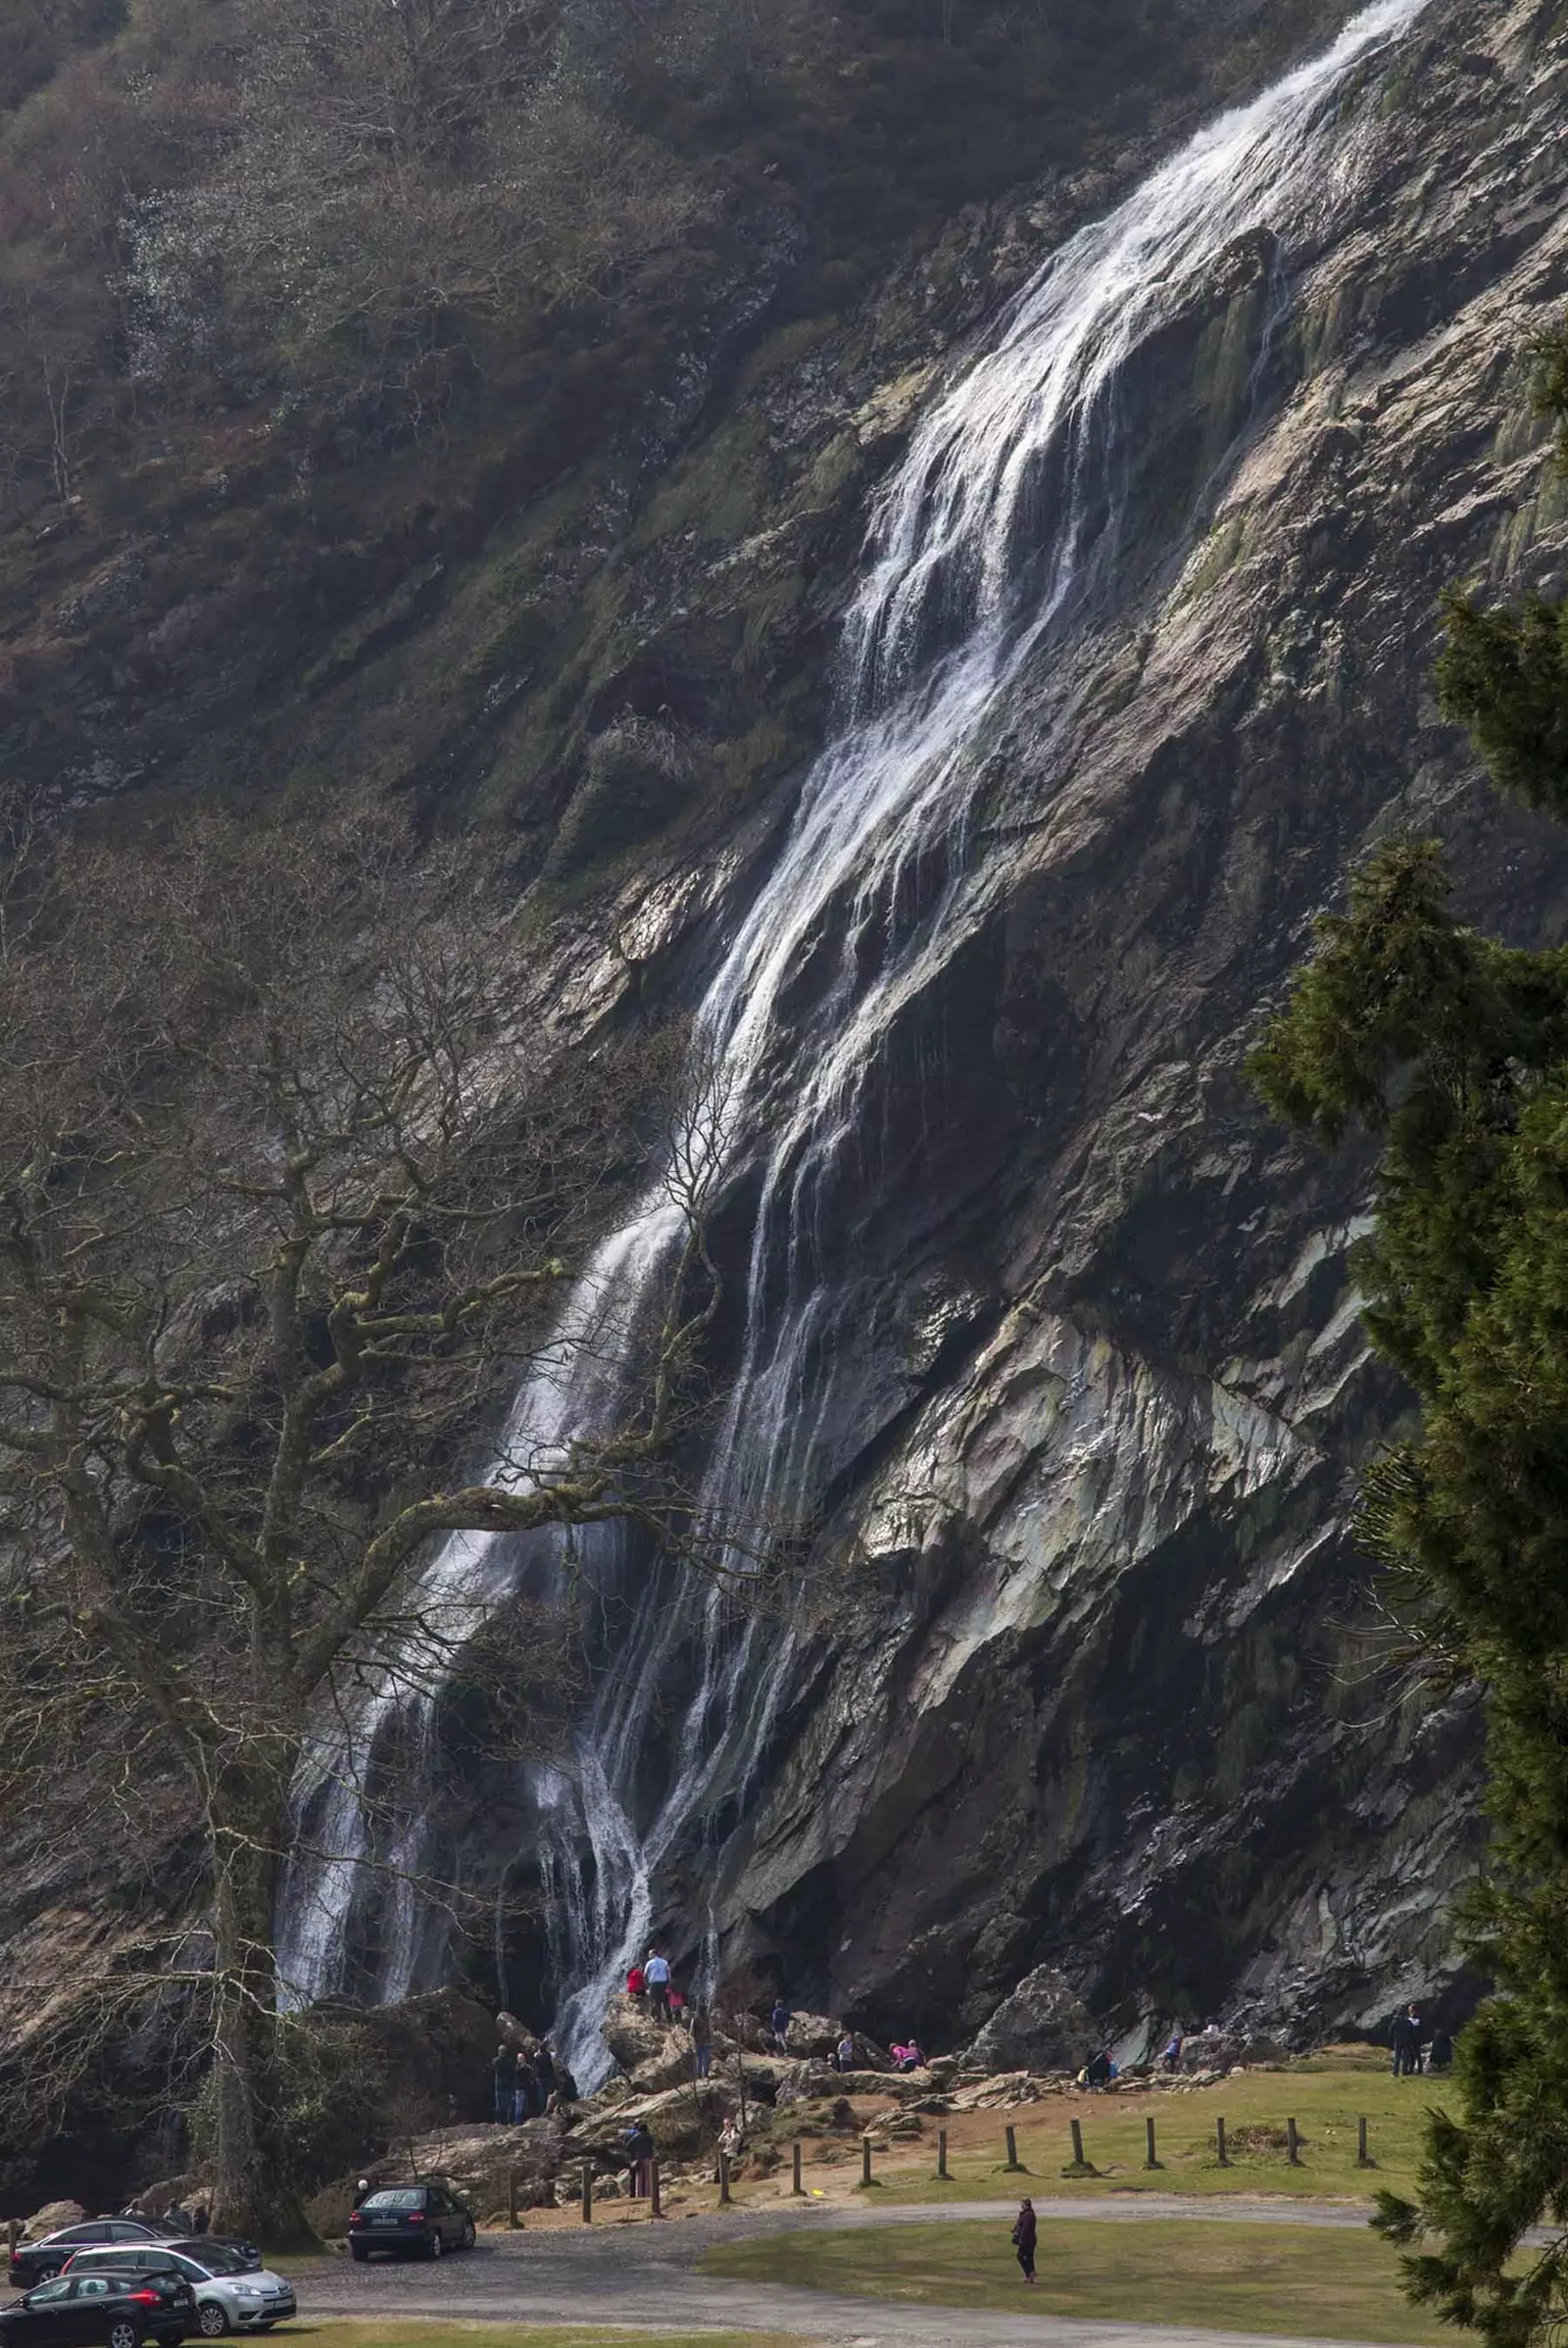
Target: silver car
x,y
229,2296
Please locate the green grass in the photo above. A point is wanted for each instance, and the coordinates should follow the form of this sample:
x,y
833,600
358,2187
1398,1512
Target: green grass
x,y
1325,2096
358,2332
1332,2283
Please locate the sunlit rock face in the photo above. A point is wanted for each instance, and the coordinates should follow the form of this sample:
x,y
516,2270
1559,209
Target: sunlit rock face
x,y
1109,1694
1054,1330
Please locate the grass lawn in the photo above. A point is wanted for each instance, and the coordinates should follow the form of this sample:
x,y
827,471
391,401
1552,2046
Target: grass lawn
x,y
357,2332
1341,2284
1325,2095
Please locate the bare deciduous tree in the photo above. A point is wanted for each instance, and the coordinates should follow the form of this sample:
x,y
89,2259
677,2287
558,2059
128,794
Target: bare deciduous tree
x,y
290,1180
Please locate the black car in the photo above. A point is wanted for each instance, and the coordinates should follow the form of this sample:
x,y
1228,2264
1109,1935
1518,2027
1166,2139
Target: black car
x,y
101,2311
410,2222
35,2261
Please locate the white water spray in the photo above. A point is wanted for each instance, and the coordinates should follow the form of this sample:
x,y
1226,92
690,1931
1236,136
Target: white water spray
x,y
999,526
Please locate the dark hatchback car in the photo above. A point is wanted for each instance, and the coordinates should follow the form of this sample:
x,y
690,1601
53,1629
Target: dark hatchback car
x,y
35,2261
101,2311
410,2222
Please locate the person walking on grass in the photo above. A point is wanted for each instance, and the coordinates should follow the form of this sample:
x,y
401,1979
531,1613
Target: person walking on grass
x,y
1023,2237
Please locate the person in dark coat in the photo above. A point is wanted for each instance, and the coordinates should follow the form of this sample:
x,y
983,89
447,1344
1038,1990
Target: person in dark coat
x,y
526,2094
1023,2237
1406,2037
701,2042
504,2071
544,2071
638,2149
203,2219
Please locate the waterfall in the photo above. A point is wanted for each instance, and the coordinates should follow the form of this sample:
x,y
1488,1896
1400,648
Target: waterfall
x,y
997,532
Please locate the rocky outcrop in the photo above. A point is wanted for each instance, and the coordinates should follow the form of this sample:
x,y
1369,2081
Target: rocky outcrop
x,y
1107,1694
1086,1682
1044,2026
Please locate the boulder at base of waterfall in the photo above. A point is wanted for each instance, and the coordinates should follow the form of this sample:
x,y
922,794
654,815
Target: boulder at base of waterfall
x,y
51,2217
1044,2026
804,2082
632,2034
811,2034
682,2122
673,2066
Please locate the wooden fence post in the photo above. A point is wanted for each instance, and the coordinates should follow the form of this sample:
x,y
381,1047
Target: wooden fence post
x,y
1363,2159
512,2199
1150,2161
1293,2144
587,2193
723,2180
1078,2160
1219,2144
865,2160
656,2207
941,2152
797,2186
1012,2161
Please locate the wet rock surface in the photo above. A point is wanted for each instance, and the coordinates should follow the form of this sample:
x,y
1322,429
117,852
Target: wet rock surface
x,y
1104,1693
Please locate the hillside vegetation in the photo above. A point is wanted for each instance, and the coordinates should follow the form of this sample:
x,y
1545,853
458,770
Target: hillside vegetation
x,y
301,301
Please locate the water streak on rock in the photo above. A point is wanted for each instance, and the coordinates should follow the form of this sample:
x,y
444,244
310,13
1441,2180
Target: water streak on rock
x,y
1000,531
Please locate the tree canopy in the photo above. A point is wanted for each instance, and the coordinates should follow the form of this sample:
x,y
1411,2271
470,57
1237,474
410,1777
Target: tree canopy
x,y
1450,1049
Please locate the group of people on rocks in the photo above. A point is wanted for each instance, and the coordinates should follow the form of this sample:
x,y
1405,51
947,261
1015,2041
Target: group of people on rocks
x,y
529,2084
652,1979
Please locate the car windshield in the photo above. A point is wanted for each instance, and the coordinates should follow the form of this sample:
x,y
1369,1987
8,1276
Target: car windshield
x,y
213,2258
406,2197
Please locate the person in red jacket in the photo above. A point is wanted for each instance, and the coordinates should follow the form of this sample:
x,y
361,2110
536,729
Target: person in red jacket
x,y
634,1981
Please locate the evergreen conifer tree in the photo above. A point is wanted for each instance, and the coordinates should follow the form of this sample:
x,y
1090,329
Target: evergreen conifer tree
x,y
1452,1051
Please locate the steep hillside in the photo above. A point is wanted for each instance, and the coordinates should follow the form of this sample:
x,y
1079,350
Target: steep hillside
x,y
1084,1668
1104,1690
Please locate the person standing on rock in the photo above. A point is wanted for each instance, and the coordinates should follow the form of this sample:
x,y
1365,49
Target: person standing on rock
x,y
656,1981
635,1980
1024,2234
779,2021
544,2071
845,2056
504,2072
524,2100
701,2042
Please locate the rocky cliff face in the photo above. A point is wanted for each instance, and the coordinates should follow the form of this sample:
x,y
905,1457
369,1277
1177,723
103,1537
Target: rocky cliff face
x,y
1086,1675
1104,1689
1114,1699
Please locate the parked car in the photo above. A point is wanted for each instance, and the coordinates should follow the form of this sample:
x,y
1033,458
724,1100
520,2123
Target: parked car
x,y
410,2222
230,2296
101,2311
36,2261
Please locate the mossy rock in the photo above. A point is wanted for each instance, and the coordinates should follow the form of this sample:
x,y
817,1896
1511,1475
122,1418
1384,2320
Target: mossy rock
x,y
639,776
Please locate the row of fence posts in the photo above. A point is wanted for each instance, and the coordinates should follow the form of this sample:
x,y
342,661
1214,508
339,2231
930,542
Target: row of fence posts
x,y
1079,2166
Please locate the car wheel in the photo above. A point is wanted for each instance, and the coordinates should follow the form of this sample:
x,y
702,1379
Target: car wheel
x,y
468,2235
437,2245
211,2321
44,2275
124,2334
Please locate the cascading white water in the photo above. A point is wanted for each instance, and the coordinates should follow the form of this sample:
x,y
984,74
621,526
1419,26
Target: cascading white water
x,y
998,527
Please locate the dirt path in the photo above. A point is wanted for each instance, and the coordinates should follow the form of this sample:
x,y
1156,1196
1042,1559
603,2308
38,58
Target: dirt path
x,y
642,2275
